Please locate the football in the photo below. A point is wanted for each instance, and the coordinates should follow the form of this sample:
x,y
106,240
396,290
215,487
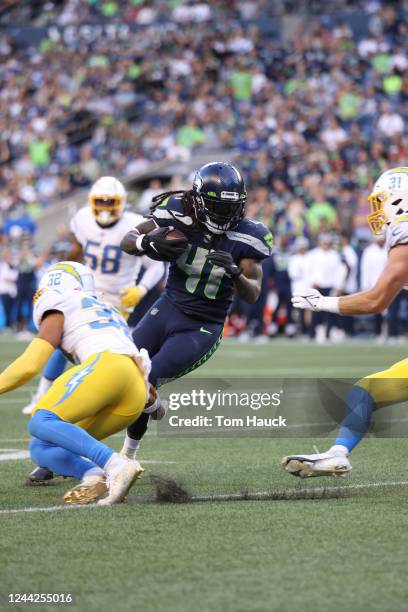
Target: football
x,y
175,234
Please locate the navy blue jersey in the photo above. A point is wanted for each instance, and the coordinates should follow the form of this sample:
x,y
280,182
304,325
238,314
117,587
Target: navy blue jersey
x,y
197,288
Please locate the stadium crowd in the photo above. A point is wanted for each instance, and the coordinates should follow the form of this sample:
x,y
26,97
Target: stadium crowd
x,y
310,118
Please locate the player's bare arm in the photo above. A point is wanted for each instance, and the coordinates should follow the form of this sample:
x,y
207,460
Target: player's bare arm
x,y
76,252
389,284
372,301
248,283
51,327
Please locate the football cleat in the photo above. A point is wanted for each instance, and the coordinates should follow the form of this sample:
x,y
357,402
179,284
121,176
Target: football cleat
x,y
39,476
319,464
120,481
87,491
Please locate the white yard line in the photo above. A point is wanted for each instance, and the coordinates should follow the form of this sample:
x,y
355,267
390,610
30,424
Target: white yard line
x,y
257,494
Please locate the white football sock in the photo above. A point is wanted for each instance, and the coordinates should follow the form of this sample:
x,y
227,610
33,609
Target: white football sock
x,y
44,385
114,463
92,472
130,447
339,449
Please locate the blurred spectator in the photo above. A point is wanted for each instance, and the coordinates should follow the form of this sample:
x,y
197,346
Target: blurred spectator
x,y
8,289
282,285
145,200
350,265
325,274
299,269
373,261
28,263
18,224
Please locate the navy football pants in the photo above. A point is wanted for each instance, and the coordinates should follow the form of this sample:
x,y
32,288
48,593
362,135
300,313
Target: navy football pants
x,y
176,343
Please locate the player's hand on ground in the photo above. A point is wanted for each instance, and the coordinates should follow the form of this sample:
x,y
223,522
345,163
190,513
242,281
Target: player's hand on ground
x,y
131,296
157,246
309,299
223,259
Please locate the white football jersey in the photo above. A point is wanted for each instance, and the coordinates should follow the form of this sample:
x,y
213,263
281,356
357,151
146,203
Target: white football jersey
x,y
113,269
397,233
90,326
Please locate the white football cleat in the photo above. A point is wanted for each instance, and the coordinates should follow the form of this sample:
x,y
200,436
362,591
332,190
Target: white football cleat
x,y
120,481
331,463
27,410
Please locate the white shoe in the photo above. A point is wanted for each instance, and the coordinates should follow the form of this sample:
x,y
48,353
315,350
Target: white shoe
x,y
120,480
332,463
34,401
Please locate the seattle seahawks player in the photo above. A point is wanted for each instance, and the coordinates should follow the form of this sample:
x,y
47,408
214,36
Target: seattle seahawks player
x,y
97,230
389,215
219,255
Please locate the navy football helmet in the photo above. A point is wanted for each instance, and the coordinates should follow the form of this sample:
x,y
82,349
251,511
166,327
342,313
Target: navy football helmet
x,y
219,196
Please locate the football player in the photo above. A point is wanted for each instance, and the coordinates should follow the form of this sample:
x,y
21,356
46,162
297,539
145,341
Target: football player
x,y
93,400
389,216
220,255
96,234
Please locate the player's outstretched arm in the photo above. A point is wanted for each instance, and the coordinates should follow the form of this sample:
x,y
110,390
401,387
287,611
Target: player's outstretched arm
x,y
36,355
372,301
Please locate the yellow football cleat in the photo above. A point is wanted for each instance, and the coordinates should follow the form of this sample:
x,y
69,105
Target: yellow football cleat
x,y
87,492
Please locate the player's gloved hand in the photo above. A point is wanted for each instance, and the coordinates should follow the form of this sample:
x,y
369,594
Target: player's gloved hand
x,y
312,299
155,245
131,296
309,299
223,259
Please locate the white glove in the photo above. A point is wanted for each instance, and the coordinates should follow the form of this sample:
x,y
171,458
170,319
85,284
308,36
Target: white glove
x,y
312,299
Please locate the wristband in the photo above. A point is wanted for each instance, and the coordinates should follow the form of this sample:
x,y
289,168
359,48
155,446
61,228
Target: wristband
x,y
138,243
329,304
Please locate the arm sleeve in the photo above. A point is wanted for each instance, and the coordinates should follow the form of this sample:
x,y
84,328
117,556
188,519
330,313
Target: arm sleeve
x,y
154,272
170,214
28,365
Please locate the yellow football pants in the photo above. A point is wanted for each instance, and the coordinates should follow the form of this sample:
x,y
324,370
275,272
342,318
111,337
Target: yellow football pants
x,y
103,395
389,386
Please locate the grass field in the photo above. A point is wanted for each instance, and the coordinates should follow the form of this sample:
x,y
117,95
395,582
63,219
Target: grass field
x,y
344,550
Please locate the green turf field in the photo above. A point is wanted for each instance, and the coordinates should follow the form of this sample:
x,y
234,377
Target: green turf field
x,y
344,550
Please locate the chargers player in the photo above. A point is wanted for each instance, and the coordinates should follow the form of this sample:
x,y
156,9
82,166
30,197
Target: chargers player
x,y
93,400
220,255
96,234
389,215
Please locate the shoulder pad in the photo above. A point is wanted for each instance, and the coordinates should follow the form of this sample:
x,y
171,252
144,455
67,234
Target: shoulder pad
x,y
397,233
255,235
171,210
